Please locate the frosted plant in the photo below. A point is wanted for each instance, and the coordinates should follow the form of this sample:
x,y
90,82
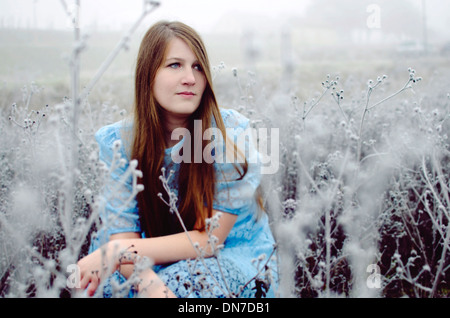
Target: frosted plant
x,y
51,182
199,282
40,236
336,219
211,225
327,85
371,86
363,181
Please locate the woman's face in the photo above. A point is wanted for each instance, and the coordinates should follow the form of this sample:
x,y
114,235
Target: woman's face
x,y
180,82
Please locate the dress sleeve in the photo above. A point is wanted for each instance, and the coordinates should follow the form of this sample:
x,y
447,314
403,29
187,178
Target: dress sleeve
x,y
234,194
118,211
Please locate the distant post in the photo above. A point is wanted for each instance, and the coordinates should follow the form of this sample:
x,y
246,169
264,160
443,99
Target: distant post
x,y
425,28
34,14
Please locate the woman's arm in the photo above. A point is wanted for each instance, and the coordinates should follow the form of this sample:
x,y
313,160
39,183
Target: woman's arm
x,y
161,250
125,270
176,247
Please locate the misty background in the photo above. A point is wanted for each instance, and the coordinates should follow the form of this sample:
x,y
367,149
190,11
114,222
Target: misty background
x,y
286,43
362,170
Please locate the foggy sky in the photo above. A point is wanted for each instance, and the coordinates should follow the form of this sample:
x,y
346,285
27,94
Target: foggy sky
x,y
203,15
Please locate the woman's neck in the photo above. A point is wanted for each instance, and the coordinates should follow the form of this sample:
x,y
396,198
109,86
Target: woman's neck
x,y
170,124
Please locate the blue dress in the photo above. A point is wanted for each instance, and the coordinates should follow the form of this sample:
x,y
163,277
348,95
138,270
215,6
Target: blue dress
x,y
249,244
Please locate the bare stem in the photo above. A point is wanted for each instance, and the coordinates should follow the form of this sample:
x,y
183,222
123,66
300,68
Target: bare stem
x,y
173,209
123,44
367,108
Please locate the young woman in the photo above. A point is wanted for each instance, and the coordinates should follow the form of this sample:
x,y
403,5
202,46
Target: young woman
x,y
173,94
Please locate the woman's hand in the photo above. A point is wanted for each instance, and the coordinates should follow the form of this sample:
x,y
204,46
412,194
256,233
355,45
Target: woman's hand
x,y
99,265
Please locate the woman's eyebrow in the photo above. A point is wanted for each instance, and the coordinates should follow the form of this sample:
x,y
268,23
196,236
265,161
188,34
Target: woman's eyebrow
x,y
174,58
179,59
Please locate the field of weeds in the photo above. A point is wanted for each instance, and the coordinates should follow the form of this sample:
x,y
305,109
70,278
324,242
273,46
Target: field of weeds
x,y
360,206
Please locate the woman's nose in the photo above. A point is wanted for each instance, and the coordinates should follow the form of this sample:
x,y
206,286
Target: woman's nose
x,y
188,77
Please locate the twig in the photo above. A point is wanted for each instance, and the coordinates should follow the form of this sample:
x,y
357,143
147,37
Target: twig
x,y
173,209
412,79
123,44
327,85
261,269
405,87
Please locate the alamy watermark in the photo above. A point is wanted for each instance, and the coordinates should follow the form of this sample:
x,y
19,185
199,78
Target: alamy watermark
x,y
73,280
253,143
374,18
374,279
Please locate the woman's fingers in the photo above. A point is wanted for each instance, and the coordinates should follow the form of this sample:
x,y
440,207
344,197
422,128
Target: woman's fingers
x,y
90,282
84,283
96,266
93,285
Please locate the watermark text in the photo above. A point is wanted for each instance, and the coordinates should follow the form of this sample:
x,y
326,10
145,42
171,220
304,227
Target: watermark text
x,y
374,18
374,279
252,144
73,281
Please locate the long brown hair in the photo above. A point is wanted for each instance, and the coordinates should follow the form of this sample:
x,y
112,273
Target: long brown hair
x,y
196,180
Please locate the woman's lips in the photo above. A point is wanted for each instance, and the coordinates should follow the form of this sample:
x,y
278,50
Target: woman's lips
x,y
186,94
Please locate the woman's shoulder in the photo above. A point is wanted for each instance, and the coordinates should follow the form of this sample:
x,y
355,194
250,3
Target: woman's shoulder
x,y
110,135
233,119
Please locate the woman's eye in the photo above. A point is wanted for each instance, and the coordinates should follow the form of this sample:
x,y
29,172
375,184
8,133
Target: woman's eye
x,y
198,67
174,65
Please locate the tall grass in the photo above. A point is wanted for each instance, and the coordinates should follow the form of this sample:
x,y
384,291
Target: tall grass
x,y
364,193
360,206
352,191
